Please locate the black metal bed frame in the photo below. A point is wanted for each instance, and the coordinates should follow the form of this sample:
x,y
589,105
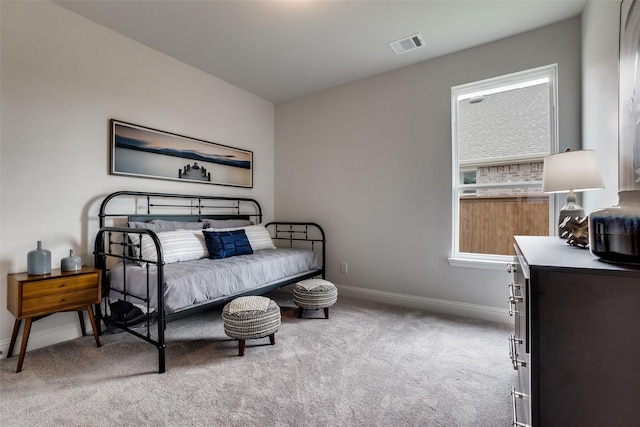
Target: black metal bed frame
x,y
113,246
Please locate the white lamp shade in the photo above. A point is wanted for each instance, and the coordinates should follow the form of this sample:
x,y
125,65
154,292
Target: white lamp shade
x,y
571,170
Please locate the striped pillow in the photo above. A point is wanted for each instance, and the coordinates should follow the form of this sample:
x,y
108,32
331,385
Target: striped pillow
x,y
258,236
179,245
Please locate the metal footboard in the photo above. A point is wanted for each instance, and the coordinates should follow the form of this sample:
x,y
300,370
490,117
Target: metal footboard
x,y
308,235
112,246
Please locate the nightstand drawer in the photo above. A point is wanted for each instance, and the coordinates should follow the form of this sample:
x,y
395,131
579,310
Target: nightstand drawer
x,y
59,285
59,301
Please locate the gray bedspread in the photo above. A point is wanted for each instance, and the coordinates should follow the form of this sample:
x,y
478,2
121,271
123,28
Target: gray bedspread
x,y
197,282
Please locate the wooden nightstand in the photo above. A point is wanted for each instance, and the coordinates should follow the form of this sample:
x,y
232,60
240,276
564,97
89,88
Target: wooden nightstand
x,y
34,297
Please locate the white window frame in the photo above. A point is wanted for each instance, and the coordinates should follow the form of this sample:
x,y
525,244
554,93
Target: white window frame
x,y
462,171
487,87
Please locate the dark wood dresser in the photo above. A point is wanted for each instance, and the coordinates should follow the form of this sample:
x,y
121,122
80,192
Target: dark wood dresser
x,y
576,344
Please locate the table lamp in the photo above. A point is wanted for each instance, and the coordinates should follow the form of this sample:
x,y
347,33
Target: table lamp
x,y
569,172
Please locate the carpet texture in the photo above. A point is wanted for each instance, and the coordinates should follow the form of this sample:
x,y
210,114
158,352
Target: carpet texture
x,y
370,364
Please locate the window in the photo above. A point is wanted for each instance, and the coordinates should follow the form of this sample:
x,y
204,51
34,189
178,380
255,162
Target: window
x,y
502,130
468,177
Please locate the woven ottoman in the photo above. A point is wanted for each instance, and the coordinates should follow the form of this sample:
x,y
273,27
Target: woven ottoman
x,y
251,317
315,294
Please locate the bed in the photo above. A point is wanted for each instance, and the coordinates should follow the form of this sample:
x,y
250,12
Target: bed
x,y
173,255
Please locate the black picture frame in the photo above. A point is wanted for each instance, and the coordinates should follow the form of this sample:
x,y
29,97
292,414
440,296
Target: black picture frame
x,y
145,152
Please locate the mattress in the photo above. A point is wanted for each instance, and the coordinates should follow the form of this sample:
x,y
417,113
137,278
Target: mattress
x,y
192,283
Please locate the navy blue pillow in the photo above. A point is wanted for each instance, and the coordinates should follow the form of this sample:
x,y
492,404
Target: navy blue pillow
x,y
223,244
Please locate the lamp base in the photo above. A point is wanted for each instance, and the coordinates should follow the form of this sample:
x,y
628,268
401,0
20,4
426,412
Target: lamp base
x,y
571,210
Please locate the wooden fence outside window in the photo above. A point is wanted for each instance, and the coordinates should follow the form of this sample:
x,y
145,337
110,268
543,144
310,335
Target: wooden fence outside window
x,y
488,223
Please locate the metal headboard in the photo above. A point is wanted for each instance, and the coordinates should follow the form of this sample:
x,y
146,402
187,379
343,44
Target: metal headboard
x,y
177,207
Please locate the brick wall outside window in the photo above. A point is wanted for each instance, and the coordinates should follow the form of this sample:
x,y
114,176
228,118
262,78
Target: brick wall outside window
x,y
518,172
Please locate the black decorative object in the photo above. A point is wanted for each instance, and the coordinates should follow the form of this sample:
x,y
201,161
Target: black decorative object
x,y
576,230
614,232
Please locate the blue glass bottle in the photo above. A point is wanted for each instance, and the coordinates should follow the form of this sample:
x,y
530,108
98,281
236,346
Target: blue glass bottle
x,y
71,263
39,261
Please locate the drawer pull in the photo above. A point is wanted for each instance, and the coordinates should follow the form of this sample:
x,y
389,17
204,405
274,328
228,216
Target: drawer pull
x,y
513,298
512,290
513,301
517,395
63,285
513,354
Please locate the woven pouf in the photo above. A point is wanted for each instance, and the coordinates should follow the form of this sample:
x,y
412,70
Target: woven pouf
x,y
315,294
251,317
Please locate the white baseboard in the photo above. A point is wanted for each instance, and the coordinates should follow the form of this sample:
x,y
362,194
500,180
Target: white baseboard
x,y
491,314
44,338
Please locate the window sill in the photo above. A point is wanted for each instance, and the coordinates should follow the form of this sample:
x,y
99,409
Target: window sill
x,y
483,264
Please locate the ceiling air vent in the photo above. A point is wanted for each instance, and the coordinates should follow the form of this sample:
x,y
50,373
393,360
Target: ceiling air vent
x,y
408,43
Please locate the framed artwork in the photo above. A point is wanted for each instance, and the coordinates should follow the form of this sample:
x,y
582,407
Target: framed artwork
x,y
629,96
151,153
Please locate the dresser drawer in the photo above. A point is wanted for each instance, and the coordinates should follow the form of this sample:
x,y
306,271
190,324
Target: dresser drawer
x,y
59,285
59,301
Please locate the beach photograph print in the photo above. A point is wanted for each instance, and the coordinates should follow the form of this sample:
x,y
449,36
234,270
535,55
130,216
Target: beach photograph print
x,y
151,153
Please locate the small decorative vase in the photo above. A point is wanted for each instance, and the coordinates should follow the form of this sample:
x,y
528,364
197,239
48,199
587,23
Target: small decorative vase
x,y
71,263
39,261
614,232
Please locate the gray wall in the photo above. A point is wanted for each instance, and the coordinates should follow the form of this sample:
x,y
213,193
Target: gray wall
x,y
371,162
63,77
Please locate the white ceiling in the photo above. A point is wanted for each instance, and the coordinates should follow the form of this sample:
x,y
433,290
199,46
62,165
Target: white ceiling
x,y
280,50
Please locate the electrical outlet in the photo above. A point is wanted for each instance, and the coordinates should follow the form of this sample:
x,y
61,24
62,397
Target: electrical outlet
x,y
343,267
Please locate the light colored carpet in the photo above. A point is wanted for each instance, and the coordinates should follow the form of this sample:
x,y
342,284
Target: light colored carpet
x,y
368,365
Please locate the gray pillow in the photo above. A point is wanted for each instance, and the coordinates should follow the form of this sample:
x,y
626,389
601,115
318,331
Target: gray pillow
x,y
160,225
226,223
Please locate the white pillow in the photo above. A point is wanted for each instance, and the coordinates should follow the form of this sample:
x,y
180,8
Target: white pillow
x,y
258,235
179,245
